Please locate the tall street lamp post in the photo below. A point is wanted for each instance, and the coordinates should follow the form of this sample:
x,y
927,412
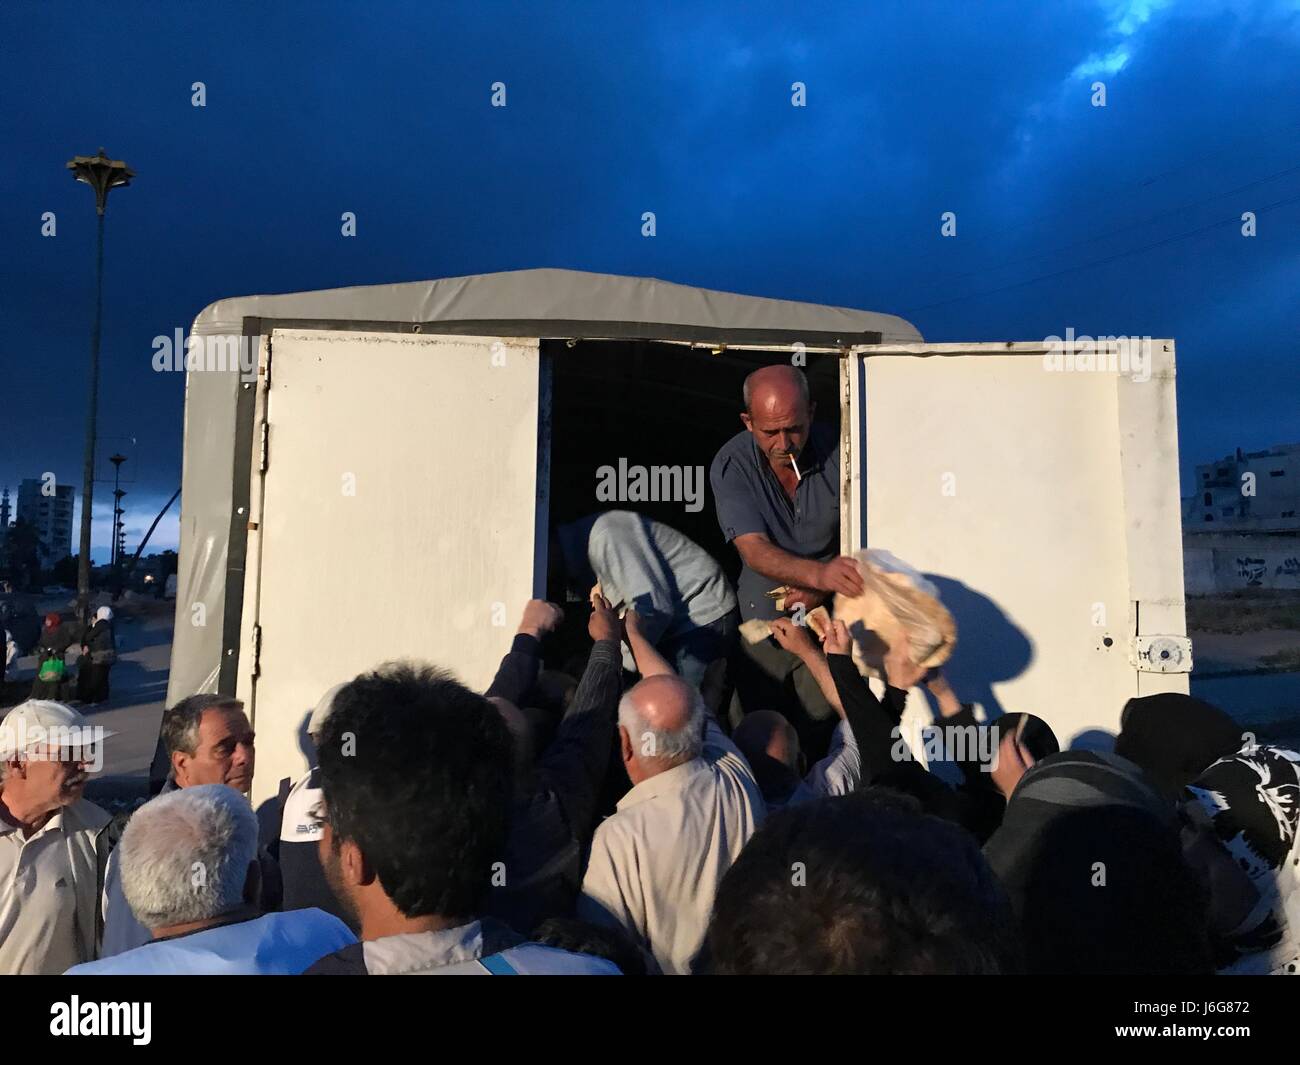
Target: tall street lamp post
x,y
115,557
101,174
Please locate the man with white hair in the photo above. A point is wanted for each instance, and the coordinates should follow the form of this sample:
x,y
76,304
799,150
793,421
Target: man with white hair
x,y
657,862
50,839
209,740
191,876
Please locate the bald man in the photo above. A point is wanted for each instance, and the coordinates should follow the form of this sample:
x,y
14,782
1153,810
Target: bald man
x,y
776,485
771,746
656,863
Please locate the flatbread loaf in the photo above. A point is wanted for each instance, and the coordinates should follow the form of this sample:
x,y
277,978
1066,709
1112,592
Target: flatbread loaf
x,y
897,602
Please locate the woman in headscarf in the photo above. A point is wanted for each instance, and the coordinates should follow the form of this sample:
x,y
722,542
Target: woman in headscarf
x,y
51,671
1238,804
1090,856
98,653
1174,738
1244,811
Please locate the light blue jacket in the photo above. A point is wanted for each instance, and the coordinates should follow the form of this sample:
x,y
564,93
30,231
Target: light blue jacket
x,y
276,944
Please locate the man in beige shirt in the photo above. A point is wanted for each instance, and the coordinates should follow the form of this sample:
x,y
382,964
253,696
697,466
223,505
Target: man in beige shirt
x,y
48,839
656,863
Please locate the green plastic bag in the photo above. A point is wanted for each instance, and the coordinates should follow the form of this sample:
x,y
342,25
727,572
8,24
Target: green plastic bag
x,y
52,669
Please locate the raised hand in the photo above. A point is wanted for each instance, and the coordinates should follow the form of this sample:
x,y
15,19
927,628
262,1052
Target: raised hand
x,y
540,617
837,641
603,623
841,575
900,670
794,638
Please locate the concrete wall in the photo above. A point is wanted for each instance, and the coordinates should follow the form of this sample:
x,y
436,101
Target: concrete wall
x,y
1214,563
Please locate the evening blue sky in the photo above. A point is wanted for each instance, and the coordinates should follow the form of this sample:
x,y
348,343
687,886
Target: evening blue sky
x,y
1121,219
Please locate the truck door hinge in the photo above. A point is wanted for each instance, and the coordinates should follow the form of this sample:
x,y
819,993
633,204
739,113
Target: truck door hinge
x,y
265,447
257,649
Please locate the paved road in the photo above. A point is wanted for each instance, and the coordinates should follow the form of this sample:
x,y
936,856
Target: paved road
x,y
1267,701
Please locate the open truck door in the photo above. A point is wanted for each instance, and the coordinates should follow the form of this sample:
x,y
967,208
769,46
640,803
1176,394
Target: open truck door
x,y
1044,504
396,485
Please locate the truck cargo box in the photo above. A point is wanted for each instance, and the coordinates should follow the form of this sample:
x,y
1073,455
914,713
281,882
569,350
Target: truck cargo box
x,y
369,474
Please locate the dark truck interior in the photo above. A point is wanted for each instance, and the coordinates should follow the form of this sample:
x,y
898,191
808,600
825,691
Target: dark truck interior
x,y
656,404
652,404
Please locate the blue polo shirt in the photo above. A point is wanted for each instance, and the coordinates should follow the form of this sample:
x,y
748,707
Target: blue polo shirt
x,y
750,499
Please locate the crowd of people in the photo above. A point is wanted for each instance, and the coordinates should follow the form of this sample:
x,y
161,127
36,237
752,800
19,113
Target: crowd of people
x,y
678,803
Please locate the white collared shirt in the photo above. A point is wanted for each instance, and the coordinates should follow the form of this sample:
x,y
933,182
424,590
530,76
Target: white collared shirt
x,y
38,901
656,864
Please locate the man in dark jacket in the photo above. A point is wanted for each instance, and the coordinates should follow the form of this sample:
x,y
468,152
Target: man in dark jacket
x,y
557,792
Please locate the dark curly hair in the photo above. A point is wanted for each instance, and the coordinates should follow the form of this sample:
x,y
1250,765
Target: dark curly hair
x,y
862,883
416,771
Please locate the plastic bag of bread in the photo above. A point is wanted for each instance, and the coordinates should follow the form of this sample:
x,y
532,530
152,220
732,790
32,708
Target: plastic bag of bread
x,y
897,602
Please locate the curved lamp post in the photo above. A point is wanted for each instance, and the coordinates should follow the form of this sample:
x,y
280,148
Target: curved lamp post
x,y
102,174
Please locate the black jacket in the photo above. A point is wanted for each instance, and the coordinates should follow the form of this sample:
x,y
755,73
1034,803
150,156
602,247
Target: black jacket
x,y
551,823
976,805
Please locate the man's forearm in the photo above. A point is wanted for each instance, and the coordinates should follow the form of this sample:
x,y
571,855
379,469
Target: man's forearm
x,y
649,662
763,556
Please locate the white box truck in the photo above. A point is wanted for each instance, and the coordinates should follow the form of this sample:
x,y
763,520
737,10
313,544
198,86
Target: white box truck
x,y
369,474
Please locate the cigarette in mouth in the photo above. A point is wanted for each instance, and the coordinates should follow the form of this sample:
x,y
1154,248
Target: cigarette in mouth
x,y
796,468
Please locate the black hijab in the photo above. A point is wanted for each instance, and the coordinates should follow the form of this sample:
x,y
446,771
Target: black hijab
x,y
1089,854
1174,738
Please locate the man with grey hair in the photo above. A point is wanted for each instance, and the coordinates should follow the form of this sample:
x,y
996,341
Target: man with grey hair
x,y
657,862
191,876
208,740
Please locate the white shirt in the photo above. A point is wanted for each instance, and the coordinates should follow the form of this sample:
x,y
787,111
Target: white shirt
x,y
839,773
656,863
41,930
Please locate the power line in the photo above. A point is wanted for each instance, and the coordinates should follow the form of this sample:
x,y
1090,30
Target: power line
x,y
1103,261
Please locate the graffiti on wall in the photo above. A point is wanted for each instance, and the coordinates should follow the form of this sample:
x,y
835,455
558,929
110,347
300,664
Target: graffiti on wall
x,y
1251,570
1290,567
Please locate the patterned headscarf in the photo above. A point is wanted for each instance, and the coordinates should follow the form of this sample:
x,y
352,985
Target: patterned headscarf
x,y
1252,801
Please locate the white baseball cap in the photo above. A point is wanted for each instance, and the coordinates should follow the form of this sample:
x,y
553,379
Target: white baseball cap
x,y
323,710
43,721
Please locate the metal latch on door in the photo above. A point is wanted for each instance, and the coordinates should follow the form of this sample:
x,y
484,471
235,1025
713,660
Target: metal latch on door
x,y
1161,654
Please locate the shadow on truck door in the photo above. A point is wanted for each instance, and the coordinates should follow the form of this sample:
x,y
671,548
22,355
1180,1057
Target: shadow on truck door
x,y
991,648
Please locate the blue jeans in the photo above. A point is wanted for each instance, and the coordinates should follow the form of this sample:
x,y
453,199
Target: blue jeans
x,y
693,652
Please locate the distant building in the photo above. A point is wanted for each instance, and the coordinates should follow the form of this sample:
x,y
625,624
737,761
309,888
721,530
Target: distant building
x,y
4,511
50,516
1256,491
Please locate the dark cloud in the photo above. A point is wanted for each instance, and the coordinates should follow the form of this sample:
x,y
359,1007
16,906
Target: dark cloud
x,y
682,109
